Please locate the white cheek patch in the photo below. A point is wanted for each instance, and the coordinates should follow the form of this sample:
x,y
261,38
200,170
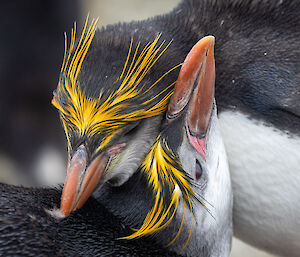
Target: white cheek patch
x,y
128,161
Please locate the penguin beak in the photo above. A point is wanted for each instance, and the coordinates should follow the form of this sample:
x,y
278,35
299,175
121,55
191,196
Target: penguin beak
x,y
201,102
82,179
195,88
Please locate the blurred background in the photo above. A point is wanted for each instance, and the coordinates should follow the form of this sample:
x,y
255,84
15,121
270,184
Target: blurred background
x,y
32,142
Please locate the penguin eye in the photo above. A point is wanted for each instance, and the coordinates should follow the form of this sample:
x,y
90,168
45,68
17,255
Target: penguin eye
x,y
198,171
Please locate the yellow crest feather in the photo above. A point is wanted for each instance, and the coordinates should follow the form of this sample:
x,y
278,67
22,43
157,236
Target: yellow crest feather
x,y
163,170
89,116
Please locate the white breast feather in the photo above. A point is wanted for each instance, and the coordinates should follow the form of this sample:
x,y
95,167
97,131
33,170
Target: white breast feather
x,y
265,169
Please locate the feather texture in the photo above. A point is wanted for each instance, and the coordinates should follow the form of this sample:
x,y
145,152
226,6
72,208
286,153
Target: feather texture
x,y
169,181
113,109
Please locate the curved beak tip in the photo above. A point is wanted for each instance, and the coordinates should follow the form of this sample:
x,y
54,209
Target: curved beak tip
x,y
191,69
81,180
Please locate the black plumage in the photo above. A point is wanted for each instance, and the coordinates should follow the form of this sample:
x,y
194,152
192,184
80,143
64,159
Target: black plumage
x,y
27,229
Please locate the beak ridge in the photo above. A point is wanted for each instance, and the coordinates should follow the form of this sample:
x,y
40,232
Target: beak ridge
x,y
76,168
191,70
195,89
81,180
201,103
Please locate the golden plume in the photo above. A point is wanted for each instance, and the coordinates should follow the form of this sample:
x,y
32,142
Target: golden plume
x,y
105,115
169,181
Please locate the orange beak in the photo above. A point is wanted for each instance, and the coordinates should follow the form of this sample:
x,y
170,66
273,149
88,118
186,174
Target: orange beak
x,y
83,179
195,89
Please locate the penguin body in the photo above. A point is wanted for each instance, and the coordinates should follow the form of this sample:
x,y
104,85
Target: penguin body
x,y
29,227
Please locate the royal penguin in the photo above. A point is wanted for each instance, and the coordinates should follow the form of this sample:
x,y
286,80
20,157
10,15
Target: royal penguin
x,y
257,92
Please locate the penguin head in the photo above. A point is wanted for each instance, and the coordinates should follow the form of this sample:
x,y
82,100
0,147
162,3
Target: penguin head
x,y
186,167
111,103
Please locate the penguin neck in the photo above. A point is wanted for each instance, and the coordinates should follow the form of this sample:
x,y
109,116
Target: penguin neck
x,y
132,201
212,224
